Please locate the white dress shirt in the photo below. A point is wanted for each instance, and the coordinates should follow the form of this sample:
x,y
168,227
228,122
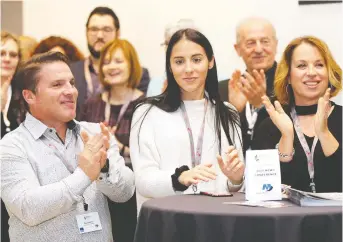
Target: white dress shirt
x,y
43,197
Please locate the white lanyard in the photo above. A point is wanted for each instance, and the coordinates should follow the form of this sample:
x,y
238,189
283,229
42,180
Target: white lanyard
x,y
309,153
6,121
251,116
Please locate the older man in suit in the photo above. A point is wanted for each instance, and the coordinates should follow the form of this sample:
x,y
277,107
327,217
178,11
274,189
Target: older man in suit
x,y
256,43
102,26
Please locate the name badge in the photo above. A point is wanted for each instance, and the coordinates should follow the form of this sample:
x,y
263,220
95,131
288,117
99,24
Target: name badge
x,y
262,175
88,222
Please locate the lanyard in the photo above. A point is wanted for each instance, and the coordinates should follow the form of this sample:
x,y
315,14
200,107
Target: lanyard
x,y
88,76
69,167
309,153
122,109
196,156
5,111
251,115
58,153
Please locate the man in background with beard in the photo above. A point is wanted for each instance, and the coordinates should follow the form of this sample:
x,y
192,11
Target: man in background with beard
x,y
102,27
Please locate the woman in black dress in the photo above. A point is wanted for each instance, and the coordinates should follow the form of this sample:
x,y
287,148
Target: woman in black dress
x,y
307,130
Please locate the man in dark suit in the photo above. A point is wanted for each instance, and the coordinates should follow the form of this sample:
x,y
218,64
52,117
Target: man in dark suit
x,y
256,43
102,26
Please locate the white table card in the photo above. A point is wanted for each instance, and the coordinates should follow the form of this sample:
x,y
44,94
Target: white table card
x,y
262,175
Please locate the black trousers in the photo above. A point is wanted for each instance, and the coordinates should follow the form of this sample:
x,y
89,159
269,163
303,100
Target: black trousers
x,y
124,218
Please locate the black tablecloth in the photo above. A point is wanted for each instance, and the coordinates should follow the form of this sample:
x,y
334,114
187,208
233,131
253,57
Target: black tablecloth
x,y
202,219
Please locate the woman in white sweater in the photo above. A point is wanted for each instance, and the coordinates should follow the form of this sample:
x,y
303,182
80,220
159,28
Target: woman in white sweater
x,y
186,139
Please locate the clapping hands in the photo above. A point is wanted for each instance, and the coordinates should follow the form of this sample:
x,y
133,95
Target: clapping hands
x,y
247,87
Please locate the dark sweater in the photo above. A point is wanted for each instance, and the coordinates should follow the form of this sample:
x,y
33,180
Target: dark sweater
x,y
327,170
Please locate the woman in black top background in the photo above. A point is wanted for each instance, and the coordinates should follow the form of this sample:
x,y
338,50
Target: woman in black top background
x,y
306,77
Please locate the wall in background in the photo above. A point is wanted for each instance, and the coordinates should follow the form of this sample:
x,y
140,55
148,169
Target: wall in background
x,y
143,22
12,16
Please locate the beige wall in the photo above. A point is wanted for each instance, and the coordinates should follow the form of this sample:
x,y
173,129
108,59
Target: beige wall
x,y
143,21
12,16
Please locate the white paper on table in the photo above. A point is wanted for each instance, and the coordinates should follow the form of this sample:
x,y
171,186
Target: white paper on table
x,y
265,204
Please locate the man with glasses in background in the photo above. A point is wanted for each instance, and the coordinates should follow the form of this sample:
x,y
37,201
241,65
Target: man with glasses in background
x,y
102,27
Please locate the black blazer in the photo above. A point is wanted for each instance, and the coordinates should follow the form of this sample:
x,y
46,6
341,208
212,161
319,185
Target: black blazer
x,y
77,69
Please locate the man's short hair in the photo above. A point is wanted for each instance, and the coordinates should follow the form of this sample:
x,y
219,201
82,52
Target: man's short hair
x,y
250,20
27,75
105,11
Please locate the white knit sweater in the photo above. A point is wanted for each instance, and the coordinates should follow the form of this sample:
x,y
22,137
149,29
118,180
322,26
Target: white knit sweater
x,y
162,144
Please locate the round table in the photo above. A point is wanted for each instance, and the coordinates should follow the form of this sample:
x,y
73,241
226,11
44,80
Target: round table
x,y
201,218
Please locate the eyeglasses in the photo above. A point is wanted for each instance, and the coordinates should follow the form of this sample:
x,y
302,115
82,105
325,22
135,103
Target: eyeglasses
x,y
11,54
96,30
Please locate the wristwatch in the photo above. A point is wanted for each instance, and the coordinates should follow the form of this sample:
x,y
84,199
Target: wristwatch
x,y
106,166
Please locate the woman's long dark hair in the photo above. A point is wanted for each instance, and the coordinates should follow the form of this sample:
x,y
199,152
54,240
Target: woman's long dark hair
x,y
170,99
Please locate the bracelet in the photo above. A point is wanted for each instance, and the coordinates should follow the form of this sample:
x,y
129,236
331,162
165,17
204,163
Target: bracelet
x,y
282,155
175,179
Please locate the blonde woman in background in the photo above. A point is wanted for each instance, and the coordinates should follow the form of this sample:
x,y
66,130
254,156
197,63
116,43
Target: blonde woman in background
x,y
307,130
27,46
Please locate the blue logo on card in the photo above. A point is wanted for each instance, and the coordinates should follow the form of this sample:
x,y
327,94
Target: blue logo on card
x,y
82,230
267,187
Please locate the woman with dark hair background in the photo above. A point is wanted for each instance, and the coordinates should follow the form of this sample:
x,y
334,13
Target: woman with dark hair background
x,y
165,129
56,43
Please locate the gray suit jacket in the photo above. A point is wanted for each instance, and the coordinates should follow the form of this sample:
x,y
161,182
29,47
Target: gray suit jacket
x,y
77,69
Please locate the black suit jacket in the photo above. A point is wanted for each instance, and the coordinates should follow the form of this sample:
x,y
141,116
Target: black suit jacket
x,y
262,114
77,69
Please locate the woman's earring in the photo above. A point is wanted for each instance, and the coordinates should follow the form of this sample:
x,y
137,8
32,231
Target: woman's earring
x,y
287,89
330,85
